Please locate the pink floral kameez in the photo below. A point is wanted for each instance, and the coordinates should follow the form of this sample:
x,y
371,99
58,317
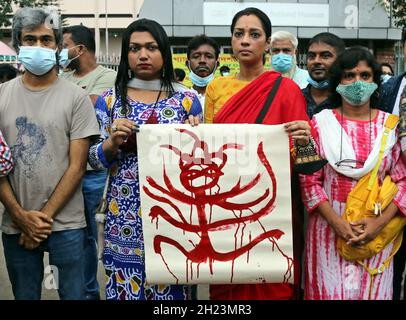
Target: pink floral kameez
x,y
327,274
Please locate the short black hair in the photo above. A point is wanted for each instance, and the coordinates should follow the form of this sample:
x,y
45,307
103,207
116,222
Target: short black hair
x,y
349,59
330,39
403,36
224,69
180,74
7,71
202,39
265,21
82,35
385,64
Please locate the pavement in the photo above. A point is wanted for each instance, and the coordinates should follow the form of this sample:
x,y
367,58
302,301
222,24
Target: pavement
x,y
51,294
6,292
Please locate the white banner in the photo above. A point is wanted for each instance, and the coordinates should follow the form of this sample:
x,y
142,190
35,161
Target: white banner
x,y
215,203
281,14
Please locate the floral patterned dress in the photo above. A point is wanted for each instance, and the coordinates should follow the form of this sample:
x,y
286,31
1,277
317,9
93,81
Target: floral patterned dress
x,y
124,245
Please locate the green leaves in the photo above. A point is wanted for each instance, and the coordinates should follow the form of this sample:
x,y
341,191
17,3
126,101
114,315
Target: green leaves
x,y
399,13
396,9
6,8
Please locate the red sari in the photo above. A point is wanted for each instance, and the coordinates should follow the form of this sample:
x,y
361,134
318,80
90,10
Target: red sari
x,y
244,107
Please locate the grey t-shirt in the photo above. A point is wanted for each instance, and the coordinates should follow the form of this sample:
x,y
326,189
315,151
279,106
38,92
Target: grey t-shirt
x,y
94,83
39,125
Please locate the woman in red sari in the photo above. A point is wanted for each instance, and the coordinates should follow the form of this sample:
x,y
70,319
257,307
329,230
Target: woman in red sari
x,y
239,99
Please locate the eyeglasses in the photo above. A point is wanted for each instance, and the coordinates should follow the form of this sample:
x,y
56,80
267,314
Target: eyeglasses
x,y
350,163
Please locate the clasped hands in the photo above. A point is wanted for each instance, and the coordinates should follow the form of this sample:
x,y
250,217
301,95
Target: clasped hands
x,y
360,232
36,227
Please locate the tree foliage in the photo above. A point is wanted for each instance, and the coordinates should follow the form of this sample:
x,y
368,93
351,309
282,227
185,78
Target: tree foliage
x,y
6,8
397,11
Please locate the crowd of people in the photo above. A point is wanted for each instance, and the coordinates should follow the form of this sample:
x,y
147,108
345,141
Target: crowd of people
x,y
68,140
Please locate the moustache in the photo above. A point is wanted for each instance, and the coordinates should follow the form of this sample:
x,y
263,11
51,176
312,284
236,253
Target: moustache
x,y
203,68
318,69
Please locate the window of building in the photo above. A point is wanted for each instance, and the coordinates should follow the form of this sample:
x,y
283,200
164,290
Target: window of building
x,y
226,49
179,49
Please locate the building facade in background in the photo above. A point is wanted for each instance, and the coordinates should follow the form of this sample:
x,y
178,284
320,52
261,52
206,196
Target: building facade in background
x,y
363,22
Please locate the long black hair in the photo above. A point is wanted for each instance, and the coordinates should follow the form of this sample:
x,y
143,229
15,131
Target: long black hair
x,y
160,36
349,59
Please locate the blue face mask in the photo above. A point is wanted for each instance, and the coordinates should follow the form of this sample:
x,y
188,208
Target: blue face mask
x,y
199,81
282,62
322,85
385,77
357,93
37,60
64,60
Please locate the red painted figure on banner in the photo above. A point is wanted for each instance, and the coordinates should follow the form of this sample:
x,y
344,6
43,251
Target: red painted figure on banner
x,y
201,177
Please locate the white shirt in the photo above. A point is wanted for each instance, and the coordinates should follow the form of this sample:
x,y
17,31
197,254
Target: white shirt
x,y
202,100
300,77
396,106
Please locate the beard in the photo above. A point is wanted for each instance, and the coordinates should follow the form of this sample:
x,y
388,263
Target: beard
x,y
74,65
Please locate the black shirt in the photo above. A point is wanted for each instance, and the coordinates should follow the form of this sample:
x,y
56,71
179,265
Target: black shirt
x,y
311,107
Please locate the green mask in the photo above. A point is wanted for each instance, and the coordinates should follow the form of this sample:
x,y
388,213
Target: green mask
x,y
357,93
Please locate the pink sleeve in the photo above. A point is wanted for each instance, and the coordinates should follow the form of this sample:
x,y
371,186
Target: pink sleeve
x,y
313,193
398,175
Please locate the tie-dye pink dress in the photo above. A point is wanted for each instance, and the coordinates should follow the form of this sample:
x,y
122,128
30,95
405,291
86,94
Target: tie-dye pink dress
x,y
327,275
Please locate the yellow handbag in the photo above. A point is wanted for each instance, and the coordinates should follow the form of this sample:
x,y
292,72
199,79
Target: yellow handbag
x,y
368,199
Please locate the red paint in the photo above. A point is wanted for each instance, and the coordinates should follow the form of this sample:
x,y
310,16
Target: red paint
x,y
153,118
192,168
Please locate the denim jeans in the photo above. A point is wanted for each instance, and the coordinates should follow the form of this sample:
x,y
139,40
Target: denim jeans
x,y
26,267
93,186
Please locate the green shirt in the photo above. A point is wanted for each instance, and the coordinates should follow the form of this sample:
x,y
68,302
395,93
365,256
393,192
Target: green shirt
x,y
95,82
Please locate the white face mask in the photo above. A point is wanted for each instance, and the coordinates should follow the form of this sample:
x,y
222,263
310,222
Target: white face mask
x,y
37,60
198,81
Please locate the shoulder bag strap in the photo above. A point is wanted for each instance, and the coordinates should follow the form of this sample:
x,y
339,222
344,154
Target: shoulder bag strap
x,y
390,124
269,100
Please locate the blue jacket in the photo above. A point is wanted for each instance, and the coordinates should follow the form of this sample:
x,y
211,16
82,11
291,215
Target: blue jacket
x,y
389,92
